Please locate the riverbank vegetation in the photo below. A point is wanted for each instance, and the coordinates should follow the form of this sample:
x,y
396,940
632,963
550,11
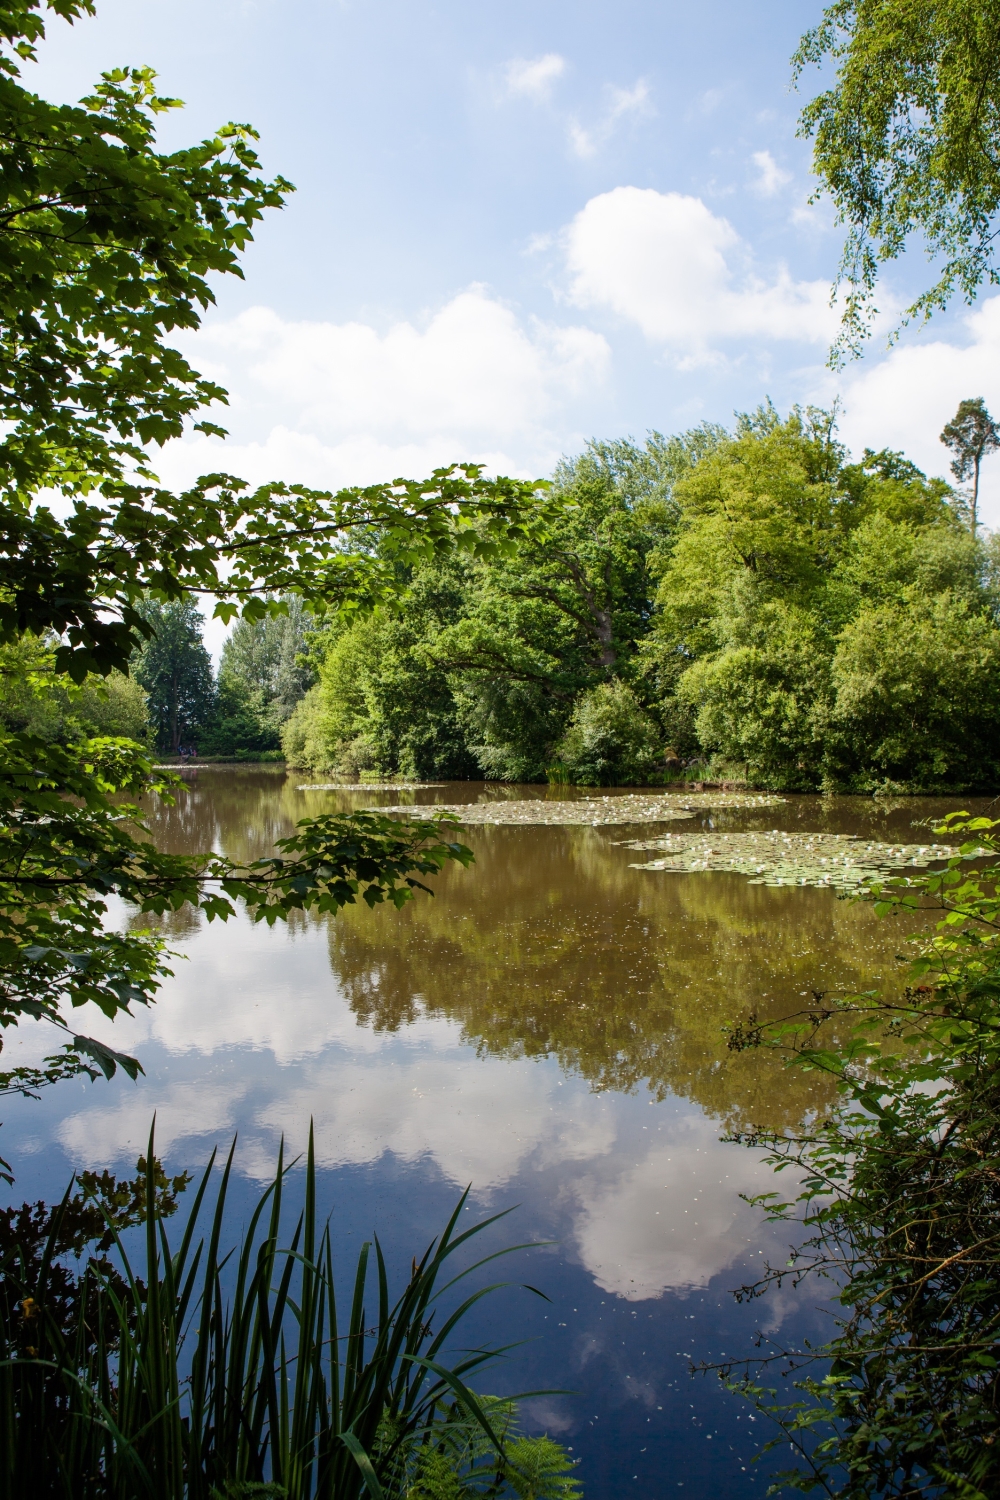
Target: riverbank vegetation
x,y
752,604
131,1366
748,606
898,1210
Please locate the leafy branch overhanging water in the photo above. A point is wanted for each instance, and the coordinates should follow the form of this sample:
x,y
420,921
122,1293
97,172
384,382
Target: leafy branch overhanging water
x,y
899,1201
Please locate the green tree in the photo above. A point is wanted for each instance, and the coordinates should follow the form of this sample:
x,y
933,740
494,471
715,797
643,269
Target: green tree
x,y
37,700
293,675
907,143
610,740
383,699
567,614
263,675
789,568
108,246
917,696
971,435
250,653
479,664
175,670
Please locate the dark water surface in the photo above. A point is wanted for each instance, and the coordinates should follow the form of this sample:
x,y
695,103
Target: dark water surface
x,y
548,1029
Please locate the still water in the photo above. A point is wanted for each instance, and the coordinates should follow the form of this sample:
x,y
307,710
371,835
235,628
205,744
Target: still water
x,y
548,1028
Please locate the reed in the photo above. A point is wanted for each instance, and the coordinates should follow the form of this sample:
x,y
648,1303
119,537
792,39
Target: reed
x,y
229,1372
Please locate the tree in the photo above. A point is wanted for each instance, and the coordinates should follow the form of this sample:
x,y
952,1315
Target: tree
x,y
262,677
293,676
821,623
610,740
175,670
907,143
478,665
971,435
568,614
106,247
35,699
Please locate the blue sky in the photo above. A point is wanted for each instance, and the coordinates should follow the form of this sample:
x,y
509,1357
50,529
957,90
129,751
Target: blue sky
x,y
518,226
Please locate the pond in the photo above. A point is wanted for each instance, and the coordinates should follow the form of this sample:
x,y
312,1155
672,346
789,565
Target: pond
x,y
548,1029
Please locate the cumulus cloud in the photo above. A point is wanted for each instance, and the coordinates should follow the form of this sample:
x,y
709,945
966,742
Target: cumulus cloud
x,y
273,992
534,76
345,403
111,1133
478,1119
674,1218
682,274
905,399
620,103
770,177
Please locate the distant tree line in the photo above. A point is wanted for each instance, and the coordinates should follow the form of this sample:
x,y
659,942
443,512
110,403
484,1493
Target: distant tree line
x,y
747,602
171,697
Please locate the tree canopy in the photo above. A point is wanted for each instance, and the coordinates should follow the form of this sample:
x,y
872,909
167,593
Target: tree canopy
x,y
764,608
906,143
175,670
972,435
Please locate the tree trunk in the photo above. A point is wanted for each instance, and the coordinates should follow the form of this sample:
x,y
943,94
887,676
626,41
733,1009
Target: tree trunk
x,y
975,493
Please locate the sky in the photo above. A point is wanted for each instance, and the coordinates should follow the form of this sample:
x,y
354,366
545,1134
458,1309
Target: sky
x,y
517,227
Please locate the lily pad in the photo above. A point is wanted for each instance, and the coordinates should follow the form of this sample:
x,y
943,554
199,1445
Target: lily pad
x,y
839,860
595,812
370,786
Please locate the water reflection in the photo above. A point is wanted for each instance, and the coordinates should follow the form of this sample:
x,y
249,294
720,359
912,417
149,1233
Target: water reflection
x,y
549,1028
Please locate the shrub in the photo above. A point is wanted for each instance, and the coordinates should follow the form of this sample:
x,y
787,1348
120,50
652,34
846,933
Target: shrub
x,y
918,697
611,740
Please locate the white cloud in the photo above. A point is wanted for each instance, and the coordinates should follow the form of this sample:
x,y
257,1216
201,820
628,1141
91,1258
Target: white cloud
x,y
620,104
665,262
628,101
272,991
675,1218
343,403
582,141
106,1134
905,399
534,76
478,1119
770,177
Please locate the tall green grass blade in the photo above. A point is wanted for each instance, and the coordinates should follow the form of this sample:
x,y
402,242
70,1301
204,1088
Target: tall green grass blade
x,y
213,1369
364,1463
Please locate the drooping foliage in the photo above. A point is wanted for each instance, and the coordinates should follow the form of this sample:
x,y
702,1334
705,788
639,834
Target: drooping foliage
x,y
906,143
108,248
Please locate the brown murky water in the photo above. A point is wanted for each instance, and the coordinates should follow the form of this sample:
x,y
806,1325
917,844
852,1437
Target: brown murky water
x,y
554,944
